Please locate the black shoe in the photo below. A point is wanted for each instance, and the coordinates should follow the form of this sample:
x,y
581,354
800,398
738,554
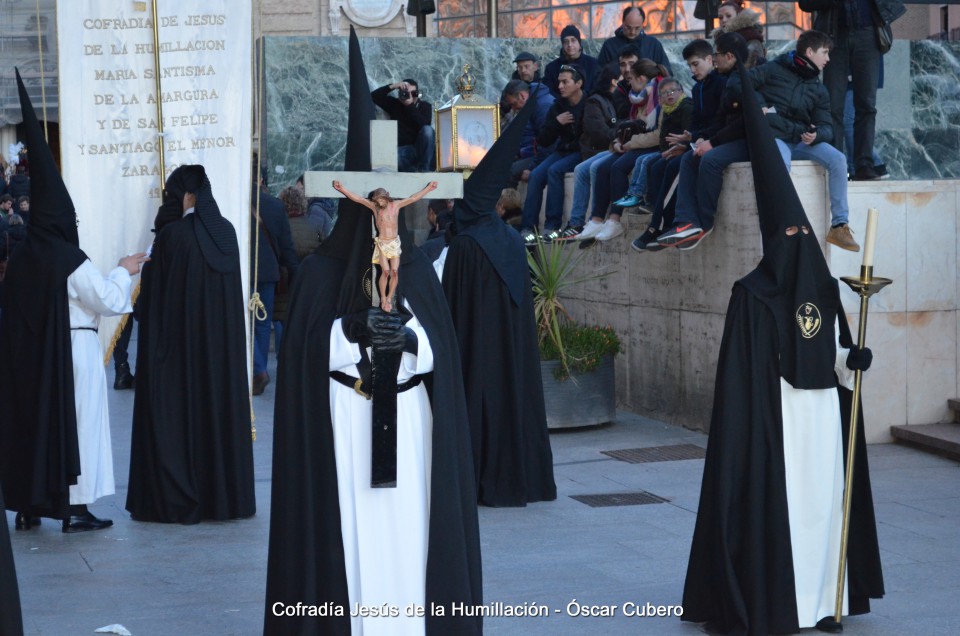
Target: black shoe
x,y
25,522
827,624
881,170
260,382
570,233
124,379
84,523
529,237
647,242
866,173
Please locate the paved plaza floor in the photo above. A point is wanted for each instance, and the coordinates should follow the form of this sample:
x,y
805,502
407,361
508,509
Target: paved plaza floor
x,y
209,578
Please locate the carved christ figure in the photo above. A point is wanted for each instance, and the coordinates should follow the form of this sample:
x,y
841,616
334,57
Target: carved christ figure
x,y
386,251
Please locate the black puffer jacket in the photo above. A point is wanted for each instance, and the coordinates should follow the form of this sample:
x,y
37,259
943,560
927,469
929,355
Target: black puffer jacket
x,y
599,124
799,101
567,136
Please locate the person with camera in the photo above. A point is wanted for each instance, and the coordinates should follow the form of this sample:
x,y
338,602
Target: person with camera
x,y
416,139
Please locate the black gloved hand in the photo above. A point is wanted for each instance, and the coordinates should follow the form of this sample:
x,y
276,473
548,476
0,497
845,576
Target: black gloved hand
x,y
859,359
403,340
389,335
360,326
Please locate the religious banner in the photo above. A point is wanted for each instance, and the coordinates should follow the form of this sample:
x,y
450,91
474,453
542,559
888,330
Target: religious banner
x,y
110,127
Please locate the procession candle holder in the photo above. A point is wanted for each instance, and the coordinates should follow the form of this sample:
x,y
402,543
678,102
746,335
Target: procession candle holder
x,y
866,285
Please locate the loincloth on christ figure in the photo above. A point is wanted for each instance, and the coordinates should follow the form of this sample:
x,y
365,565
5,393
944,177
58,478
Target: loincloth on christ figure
x,y
390,249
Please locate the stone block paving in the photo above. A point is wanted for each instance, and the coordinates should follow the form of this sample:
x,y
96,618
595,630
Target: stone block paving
x,y
210,578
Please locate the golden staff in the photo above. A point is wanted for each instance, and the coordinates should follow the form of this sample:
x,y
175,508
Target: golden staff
x,y
156,76
163,168
255,305
43,85
866,286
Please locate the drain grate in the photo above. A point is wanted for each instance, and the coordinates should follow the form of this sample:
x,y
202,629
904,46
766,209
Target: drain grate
x,y
658,453
620,499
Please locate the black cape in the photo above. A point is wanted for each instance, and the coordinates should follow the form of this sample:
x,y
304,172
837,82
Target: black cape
x,y
39,455
191,454
11,621
740,576
501,374
306,559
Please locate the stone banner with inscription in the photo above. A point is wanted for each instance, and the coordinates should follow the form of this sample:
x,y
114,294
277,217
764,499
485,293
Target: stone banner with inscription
x,y
109,128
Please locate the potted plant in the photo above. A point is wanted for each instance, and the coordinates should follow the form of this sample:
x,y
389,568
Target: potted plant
x,y
576,360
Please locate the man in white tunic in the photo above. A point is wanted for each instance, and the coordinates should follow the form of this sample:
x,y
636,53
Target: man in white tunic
x,y
55,435
91,295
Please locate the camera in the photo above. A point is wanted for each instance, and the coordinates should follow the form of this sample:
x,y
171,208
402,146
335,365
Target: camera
x,y
403,93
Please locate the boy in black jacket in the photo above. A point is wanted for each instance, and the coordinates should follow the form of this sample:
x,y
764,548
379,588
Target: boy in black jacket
x,y
724,127
563,125
662,172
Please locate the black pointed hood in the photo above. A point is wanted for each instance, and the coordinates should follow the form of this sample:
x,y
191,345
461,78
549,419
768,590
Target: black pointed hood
x,y
792,278
475,215
51,208
37,271
351,238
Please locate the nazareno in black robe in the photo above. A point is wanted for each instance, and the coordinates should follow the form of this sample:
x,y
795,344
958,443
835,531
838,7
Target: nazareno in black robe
x,y
11,621
306,560
305,563
191,455
486,280
501,374
39,454
740,574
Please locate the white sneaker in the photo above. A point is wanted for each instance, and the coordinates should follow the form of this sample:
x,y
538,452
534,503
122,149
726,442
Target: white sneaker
x,y
611,229
590,230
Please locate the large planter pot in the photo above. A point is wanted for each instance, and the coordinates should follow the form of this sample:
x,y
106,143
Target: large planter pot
x,y
582,399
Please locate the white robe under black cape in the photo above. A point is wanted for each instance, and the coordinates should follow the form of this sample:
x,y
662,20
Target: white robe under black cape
x,y
309,557
741,574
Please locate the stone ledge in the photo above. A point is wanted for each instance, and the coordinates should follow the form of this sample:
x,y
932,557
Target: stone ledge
x,y
940,439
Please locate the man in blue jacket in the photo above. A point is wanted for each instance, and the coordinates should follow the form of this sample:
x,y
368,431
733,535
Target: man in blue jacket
x,y
515,95
274,250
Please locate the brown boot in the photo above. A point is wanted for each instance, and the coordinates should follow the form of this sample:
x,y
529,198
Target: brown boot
x,y
842,237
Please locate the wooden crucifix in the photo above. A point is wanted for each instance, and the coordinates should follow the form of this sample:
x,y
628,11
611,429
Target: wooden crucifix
x,y
384,366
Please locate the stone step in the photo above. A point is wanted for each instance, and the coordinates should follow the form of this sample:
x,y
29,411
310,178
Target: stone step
x,y
939,439
954,405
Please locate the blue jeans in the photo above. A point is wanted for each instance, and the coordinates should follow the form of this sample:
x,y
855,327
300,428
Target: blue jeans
x,y
638,182
420,156
261,330
611,181
584,175
835,163
277,336
550,174
661,175
701,179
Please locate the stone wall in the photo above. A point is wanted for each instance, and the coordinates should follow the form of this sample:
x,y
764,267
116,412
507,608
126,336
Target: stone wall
x,y
918,118
669,307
